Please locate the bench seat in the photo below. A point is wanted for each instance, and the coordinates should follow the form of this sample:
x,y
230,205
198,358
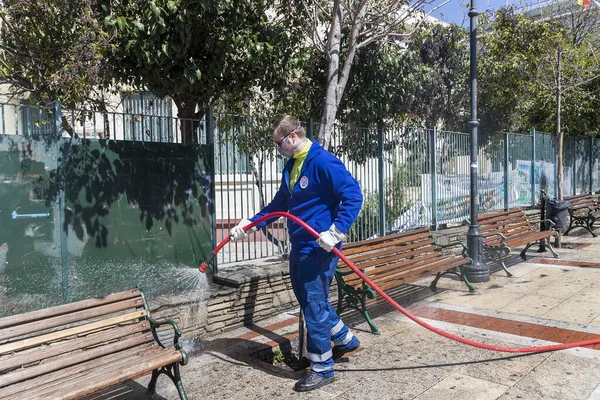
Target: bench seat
x,y
391,261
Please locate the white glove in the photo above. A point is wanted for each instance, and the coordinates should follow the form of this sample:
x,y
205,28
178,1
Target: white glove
x,y
328,239
237,232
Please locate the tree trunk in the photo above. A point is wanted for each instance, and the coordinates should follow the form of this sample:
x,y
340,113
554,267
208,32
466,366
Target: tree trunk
x,y
559,139
189,120
333,71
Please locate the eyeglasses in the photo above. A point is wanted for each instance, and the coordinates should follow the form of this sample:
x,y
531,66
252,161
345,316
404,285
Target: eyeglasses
x,y
278,142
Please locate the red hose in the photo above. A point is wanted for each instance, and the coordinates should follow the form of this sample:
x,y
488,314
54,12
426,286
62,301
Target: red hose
x,y
396,305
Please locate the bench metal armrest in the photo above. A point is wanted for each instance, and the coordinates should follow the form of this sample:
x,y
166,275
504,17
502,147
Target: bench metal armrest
x,y
457,243
339,272
177,334
156,323
503,238
494,234
548,224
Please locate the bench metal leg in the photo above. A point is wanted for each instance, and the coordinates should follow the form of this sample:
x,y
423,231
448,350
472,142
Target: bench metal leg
x,y
357,301
374,328
554,253
566,233
172,371
523,255
499,253
472,288
433,285
586,223
590,226
501,257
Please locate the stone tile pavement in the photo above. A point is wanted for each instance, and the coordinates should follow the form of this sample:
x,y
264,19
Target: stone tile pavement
x,y
547,301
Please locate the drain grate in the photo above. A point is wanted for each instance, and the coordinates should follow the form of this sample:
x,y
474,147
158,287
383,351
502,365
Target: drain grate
x,y
284,356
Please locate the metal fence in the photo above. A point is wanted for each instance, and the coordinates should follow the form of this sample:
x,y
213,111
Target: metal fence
x,y
409,176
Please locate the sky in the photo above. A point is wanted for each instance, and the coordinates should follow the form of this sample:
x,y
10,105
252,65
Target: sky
x,y
456,10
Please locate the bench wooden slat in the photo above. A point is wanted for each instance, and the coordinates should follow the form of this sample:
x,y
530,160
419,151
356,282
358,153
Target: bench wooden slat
x,y
384,257
75,358
430,267
505,226
393,248
134,368
369,242
409,276
69,318
492,217
386,243
90,340
86,371
66,308
517,230
77,349
49,337
402,264
531,237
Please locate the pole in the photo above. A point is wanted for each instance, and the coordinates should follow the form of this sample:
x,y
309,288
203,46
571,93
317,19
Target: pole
x,y
433,153
477,271
381,183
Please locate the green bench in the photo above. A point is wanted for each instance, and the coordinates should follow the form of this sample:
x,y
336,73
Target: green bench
x,y
73,350
393,260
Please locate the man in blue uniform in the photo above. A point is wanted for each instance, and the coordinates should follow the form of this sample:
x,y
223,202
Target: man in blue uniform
x,y
317,188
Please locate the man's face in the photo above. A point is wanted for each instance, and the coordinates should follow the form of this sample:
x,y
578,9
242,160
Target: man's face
x,y
285,140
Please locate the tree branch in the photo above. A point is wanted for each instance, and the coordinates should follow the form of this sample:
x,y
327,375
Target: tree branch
x,y
357,23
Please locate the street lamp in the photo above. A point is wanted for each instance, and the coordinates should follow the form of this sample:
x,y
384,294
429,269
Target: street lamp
x,y
477,271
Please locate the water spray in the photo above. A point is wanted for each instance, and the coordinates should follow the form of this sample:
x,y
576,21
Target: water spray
x,y
537,349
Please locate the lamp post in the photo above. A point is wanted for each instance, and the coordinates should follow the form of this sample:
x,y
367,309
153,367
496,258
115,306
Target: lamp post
x,y
477,271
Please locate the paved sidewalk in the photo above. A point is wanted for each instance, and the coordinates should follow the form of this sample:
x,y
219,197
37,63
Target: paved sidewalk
x,y
547,301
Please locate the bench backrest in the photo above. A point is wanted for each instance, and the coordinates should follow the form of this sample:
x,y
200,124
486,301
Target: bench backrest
x,y
509,223
411,252
48,335
581,200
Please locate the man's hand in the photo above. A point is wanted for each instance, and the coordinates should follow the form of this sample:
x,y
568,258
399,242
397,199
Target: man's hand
x,y
328,239
237,232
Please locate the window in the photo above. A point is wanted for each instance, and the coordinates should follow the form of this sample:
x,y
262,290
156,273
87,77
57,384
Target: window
x,y
148,118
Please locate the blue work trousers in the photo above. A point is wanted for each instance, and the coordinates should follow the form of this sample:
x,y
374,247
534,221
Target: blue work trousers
x,y
311,273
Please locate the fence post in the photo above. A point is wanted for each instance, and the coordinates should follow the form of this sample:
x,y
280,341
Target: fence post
x,y
210,143
591,146
433,153
533,168
309,129
506,174
380,149
57,109
556,170
60,207
574,178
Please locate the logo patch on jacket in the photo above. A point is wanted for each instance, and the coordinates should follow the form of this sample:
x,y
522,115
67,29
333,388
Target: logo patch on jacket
x,y
303,182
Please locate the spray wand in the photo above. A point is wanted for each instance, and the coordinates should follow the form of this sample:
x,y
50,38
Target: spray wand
x,y
393,303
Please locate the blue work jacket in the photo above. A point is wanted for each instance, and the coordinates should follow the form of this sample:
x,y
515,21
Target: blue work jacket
x,y
325,193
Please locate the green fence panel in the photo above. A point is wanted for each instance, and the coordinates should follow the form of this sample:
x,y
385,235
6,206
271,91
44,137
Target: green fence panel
x,y
83,218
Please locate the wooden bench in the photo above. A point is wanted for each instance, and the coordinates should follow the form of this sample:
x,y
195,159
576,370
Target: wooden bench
x,y
72,350
503,230
391,261
584,211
